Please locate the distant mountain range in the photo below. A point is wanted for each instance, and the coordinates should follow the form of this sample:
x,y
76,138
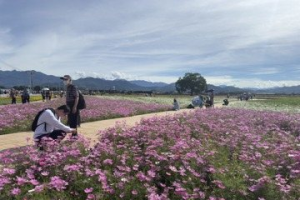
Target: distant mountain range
x,y
9,79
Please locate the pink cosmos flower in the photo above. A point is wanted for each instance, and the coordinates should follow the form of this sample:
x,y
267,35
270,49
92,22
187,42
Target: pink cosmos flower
x,y
173,168
21,181
58,183
154,196
141,176
134,192
71,168
88,190
91,196
108,162
45,173
39,188
9,171
219,184
34,182
15,191
151,173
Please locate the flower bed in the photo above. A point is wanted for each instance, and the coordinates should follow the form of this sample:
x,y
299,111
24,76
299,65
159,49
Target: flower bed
x,y
209,154
19,117
102,108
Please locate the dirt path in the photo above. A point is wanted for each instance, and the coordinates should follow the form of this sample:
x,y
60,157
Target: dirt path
x,y
89,129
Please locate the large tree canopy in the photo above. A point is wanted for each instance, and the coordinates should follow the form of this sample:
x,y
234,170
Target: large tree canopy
x,y
192,82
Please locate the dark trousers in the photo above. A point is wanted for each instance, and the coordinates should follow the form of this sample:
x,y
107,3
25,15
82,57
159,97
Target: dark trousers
x,y
13,100
25,99
54,135
73,118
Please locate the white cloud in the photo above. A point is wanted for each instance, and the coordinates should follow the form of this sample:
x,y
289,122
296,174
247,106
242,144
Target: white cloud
x,y
5,39
120,75
249,82
153,40
80,74
266,71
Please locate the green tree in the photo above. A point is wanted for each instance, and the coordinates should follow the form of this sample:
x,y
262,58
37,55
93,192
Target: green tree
x,y
37,88
192,82
20,87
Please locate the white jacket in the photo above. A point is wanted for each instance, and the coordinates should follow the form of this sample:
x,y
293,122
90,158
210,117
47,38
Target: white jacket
x,y
48,119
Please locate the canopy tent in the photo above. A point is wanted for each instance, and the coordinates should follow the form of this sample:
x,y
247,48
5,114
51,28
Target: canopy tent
x,y
197,101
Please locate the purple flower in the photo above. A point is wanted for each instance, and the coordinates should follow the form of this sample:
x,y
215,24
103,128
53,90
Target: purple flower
x,y
151,173
91,196
8,171
154,196
15,191
21,181
45,173
39,188
88,190
34,182
219,184
71,168
108,162
134,192
57,183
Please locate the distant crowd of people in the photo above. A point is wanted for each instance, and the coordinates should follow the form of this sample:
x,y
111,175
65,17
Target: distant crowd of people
x,y
201,101
207,100
25,96
46,94
245,96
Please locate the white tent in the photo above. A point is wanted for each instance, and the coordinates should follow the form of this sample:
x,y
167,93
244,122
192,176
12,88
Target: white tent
x,y
197,101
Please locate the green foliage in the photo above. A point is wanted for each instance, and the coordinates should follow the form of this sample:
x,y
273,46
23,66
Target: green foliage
x,y
192,82
7,100
20,87
37,88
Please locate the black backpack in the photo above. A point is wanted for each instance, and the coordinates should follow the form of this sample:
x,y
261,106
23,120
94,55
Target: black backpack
x,y
34,124
81,102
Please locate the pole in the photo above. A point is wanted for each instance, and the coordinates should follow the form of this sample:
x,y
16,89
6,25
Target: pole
x,y
31,74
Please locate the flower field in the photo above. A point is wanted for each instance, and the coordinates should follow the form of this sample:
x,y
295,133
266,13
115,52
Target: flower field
x,y
184,100
210,154
18,117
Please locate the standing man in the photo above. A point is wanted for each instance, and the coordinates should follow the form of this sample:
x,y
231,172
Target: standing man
x,y
72,97
13,94
25,96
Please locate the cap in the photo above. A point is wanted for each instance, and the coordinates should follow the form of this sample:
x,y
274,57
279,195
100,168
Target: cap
x,y
66,77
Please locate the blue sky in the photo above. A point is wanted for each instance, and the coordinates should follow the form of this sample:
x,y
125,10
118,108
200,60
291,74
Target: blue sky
x,y
252,43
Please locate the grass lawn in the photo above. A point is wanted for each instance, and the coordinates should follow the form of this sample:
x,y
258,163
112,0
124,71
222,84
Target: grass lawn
x,y
278,103
7,100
